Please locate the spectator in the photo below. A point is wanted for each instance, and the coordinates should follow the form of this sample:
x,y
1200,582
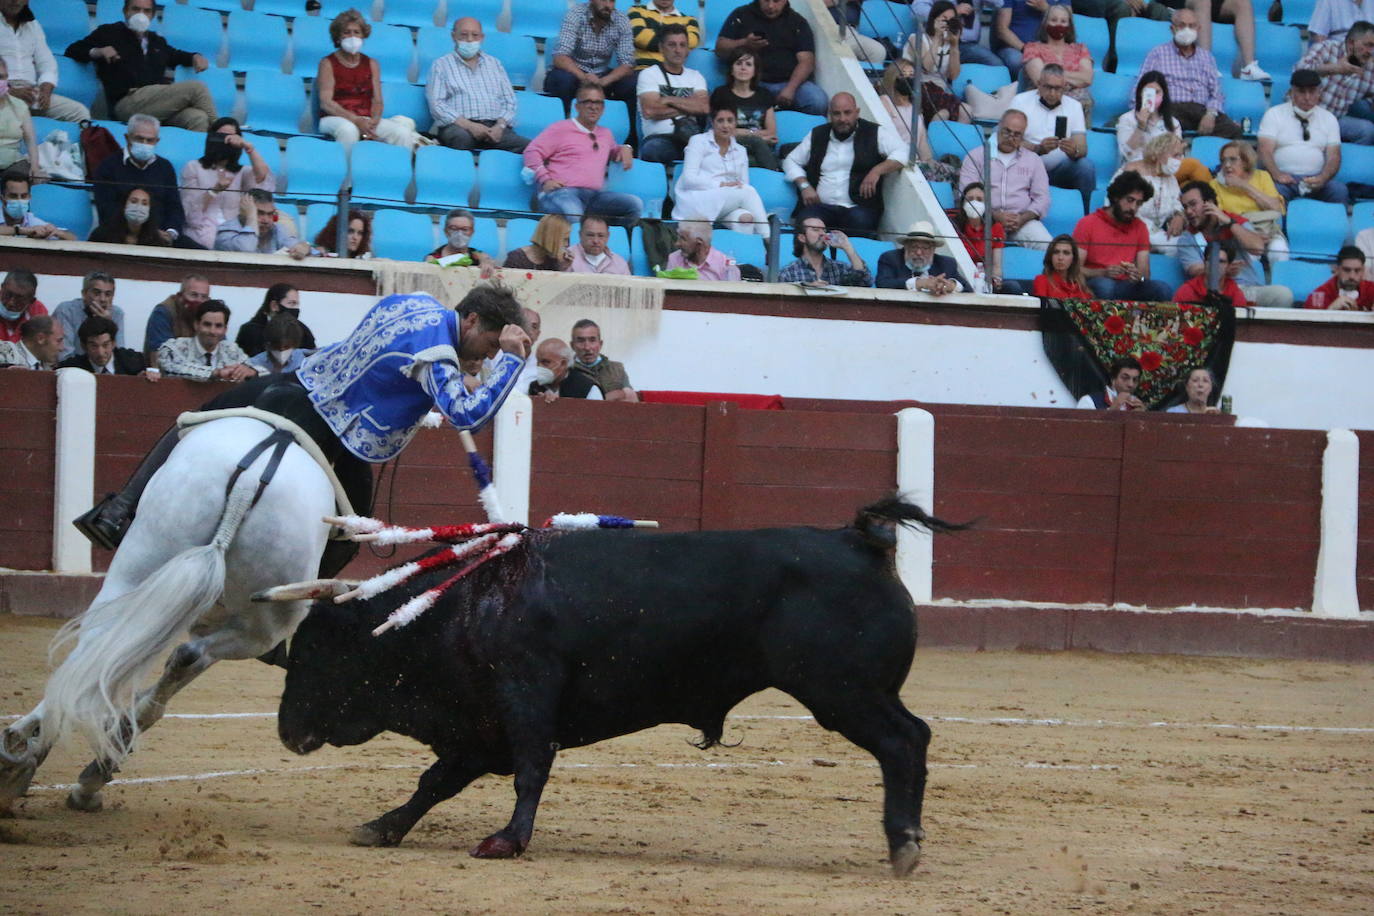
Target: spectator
x,y
175,316
136,223
647,22
755,125
1241,14
18,302
357,237
548,247
895,91
1200,390
1123,378
1057,131
838,168
100,353
458,227
556,356
97,301
1194,81
141,166
1063,275
813,267
592,34
17,143
1057,43
672,100
131,62
1020,187
938,46
349,84
1209,223
971,29
916,266
1016,24
592,255
285,350
694,250
1300,145
35,347
470,96
1331,19
206,356
1201,290
1152,115
713,182
1364,240
259,229
32,67
280,300
19,218
869,51
1242,188
1347,289
1348,67
1116,244
786,50
1162,213
968,219
212,186
610,376
570,182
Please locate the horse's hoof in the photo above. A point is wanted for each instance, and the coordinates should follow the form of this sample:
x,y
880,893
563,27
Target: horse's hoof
x,y
905,857
88,803
372,835
14,784
496,847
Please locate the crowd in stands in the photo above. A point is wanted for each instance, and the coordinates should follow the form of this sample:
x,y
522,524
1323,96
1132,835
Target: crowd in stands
x,y
705,102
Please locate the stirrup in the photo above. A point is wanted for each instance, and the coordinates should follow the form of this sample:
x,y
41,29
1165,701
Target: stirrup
x,y
99,530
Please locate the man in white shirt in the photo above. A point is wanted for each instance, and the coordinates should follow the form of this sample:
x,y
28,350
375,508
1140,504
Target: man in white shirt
x,y
33,68
838,168
1300,143
470,95
1333,18
591,254
1056,130
40,339
667,92
206,355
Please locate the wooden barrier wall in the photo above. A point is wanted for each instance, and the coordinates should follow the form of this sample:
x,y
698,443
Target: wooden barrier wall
x,y
1364,560
28,401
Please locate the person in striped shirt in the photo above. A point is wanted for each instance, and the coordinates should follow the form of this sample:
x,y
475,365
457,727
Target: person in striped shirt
x,y
646,23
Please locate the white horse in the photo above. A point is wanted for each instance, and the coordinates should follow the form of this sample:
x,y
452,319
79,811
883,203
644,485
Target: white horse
x,y
158,589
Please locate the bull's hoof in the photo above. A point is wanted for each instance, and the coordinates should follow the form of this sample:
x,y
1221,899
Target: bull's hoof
x,y
78,801
372,835
497,846
905,858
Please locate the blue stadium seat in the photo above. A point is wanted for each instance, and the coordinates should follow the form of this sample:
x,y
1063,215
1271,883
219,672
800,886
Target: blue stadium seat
x,y
444,177
220,6
953,138
1097,199
1362,216
179,146
315,169
77,81
486,236
402,235
711,18
65,208
1316,230
409,100
316,218
1224,48
269,150
1279,47
985,77
381,173
645,180
1357,165
256,41
1145,34
1113,94
893,21
537,112
872,249
111,11
331,8
538,18
63,21
432,43
615,117
288,9
1301,277
1207,150
1022,263
1245,99
310,42
416,13
519,231
1104,155
1298,12
745,248
779,195
1066,209
192,29
484,11
944,194
710,67
793,126
393,47
1167,270
222,85
1093,33
639,258
274,102
500,184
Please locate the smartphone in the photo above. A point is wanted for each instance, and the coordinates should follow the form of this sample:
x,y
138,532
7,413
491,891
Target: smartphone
x,y
1149,99
1061,127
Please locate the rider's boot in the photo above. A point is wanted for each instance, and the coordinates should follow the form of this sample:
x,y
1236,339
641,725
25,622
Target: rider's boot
x,y
105,524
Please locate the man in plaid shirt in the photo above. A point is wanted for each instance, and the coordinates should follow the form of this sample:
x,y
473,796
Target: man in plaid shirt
x,y
1348,68
1194,82
592,33
814,267
470,95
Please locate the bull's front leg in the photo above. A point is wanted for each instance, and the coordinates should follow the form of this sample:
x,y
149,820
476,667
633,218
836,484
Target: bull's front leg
x,y
531,774
445,779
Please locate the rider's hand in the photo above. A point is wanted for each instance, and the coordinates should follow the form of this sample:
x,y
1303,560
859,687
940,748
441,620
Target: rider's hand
x,y
514,340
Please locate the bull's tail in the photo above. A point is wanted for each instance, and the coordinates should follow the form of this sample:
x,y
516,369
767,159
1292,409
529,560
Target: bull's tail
x,y
878,521
95,689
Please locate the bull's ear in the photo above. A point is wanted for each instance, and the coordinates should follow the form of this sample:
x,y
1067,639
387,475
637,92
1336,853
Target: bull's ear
x,y
277,655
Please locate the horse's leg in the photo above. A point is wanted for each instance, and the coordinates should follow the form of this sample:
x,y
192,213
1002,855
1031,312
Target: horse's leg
x,y
21,754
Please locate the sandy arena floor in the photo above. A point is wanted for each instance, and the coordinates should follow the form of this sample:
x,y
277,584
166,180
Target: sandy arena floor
x,y
1094,783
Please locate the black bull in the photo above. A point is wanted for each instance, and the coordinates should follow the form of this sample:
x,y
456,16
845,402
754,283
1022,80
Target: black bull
x,y
591,635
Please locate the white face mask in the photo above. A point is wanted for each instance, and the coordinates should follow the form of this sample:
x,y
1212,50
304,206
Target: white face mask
x,y
139,22
136,213
1172,165
973,209
1185,38
281,356
594,259
459,239
352,44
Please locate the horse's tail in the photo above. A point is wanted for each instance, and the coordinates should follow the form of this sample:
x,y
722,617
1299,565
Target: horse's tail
x,y
95,689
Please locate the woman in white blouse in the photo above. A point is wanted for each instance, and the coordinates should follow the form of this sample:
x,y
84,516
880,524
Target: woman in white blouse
x,y
714,180
1162,213
1152,115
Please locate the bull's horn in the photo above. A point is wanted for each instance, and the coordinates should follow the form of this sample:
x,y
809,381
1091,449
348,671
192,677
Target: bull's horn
x,y
297,591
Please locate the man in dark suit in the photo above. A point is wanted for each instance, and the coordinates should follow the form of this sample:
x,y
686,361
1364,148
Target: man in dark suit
x,y
102,357
916,266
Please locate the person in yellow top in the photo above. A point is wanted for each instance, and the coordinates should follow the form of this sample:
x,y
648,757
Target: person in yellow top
x,y
646,19
1244,188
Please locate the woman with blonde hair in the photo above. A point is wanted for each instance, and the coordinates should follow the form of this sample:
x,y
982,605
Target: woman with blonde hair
x,y
1242,187
548,247
1163,212
350,87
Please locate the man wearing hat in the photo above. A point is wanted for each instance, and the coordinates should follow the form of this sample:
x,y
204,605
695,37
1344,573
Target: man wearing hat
x,y
916,266
1300,143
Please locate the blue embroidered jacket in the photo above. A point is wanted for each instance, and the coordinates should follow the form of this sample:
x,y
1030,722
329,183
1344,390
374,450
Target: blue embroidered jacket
x,y
373,387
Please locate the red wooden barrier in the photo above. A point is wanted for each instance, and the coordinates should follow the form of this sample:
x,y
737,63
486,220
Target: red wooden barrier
x,y
27,440
1364,561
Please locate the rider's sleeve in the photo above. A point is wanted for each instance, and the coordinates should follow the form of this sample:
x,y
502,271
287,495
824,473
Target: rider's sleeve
x,y
443,381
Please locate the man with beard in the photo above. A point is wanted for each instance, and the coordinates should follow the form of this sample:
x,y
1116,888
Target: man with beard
x,y
1347,289
838,168
916,266
812,266
591,34
1208,223
1116,244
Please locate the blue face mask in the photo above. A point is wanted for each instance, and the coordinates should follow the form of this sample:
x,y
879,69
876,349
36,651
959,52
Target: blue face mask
x,y
142,152
16,209
10,315
467,50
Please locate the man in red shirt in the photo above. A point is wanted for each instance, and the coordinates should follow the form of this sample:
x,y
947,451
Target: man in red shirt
x,y
1347,288
18,302
1228,263
1116,244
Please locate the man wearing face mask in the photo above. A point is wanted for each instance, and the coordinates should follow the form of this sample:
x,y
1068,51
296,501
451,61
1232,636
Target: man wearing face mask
x,y
1300,143
591,254
141,167
1194,81
131,62
97,301
470,95
19,219
18,302
916,266
284,352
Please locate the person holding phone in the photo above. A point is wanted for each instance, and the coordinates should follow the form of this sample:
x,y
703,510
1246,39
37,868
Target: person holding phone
x,y
1057,131
938,48
786,51
1151,116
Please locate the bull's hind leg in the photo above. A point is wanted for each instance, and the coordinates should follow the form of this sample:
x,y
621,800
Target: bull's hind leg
x,y
442,781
